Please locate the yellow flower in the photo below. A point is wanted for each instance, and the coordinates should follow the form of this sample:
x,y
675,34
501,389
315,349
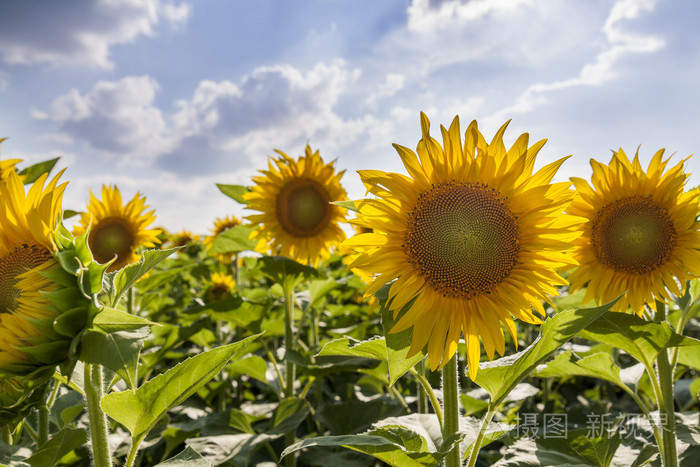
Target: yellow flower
x,y
27,225
641,236
294,199
221,286
220,226
472,238
7,165
183,238
117,229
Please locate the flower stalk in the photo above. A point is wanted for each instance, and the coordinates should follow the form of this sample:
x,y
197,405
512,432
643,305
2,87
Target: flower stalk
x,y
450,395
94,380
666,407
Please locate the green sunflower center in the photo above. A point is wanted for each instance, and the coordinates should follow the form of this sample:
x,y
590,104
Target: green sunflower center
x,y
109,237
634,235
462,238
303,208
18,261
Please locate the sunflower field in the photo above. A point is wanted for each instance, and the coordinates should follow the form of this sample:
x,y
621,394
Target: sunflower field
x,y
470,311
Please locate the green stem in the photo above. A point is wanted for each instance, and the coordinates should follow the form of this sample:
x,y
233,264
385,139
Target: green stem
x,y
7,435
43,425
431,394
647,413
450,396
659,402
98,420
289,438
422,393
480,437
274,365
31,432
666,407
135,444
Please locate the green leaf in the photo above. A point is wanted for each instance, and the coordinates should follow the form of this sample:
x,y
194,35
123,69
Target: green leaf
x,y
118,351
58,446
397,346
499,377
598,365
33,172
187,458
689,353
233,240
140,410
253,366
118,283
289,414
281,270
374,348
235,192
642,339
319,289
113,320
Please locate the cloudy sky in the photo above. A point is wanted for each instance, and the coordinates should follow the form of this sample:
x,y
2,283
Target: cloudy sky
x,y
170,97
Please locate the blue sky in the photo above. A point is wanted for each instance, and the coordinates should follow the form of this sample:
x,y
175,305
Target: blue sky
x,y
170,97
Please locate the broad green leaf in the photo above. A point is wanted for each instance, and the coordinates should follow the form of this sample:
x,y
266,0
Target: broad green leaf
x,y
118,351
642,339
374,348
118,283
397,345
113,320
578,448
253,366
319,289
598,365
281,270
234,192
237,448
140,410
33,172
499,377
58,446
290,414
187,458
234,240
689,353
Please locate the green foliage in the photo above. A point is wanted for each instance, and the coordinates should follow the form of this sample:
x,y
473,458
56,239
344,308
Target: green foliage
x,y
234,240
33,172
234,192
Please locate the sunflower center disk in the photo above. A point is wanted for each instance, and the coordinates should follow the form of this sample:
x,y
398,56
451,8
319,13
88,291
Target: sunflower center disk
x,y
302,208
634,235
18,261
111,236
462,238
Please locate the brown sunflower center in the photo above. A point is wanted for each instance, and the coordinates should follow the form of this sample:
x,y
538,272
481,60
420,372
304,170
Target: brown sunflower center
x,y
109,237
634,235
303,208
18,261
462,238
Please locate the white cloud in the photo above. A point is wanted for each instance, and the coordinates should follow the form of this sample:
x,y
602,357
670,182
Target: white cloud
x,y
619,44
423,15
116,118
392,84
79,32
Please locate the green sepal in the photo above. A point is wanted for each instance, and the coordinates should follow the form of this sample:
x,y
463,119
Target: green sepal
x,y
70,322
48,353
34,171
234,192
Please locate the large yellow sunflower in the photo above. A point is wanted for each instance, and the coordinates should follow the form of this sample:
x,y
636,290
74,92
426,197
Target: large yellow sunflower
x,y
294,200
641,236
117,229
27,225
472,237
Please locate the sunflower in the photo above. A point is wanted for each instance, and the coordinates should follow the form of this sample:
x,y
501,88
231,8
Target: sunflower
x,y
34,288
220,226
294,199
472,239
641,237
221,286
183,238
117,230
8,166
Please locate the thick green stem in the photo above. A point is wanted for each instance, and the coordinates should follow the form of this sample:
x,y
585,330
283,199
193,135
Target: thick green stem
x,y
450,396
289,438
480,437
43,425
666,407
98,420
431,394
